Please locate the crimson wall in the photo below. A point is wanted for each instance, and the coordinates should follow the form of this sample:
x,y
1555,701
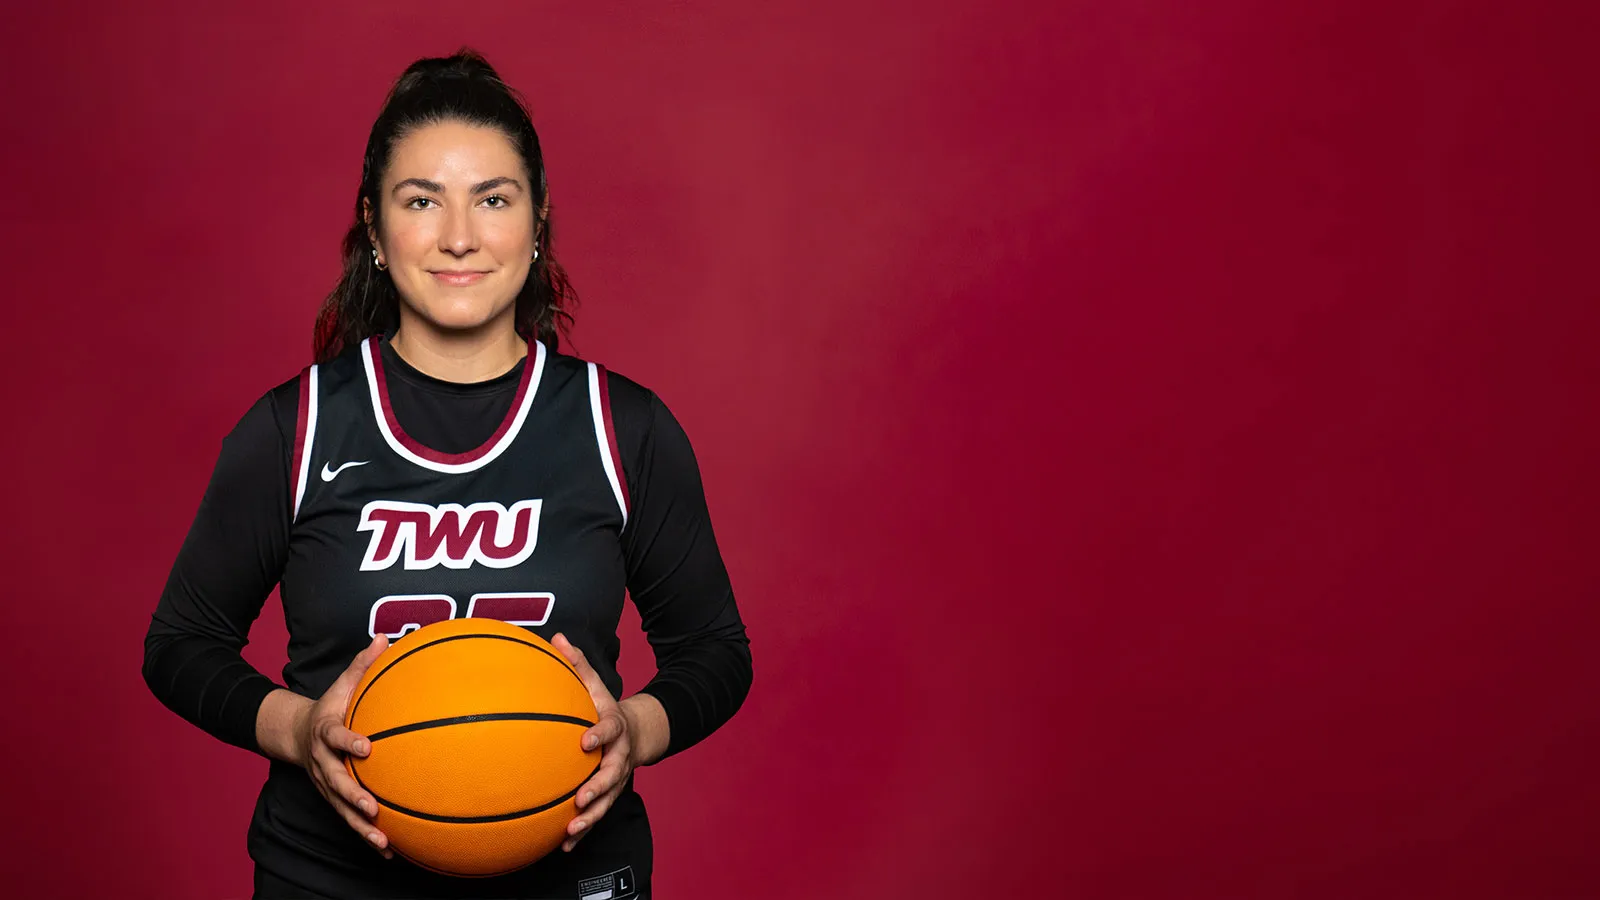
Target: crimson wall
x,y
1153,442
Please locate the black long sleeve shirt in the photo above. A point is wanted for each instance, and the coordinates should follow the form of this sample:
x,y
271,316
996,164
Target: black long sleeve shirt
x,y
238,545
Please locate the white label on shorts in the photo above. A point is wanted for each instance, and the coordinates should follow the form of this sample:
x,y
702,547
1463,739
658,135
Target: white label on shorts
x,y
610,886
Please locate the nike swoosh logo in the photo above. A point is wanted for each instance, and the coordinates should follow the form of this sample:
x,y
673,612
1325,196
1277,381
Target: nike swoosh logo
x,y
330,474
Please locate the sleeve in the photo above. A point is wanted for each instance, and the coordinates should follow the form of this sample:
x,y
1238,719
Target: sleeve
x,y
229,563
676,575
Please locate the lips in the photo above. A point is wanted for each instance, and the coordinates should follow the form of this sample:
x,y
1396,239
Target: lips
x,y
458,279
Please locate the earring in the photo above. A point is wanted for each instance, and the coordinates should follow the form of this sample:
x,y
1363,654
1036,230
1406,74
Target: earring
x,y
375,260
536,254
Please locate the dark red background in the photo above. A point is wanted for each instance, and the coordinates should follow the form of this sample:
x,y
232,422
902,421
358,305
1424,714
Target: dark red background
x,y
1153,442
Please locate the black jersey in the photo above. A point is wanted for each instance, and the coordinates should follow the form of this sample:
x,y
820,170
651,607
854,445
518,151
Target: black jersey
x,y
389,535
378,531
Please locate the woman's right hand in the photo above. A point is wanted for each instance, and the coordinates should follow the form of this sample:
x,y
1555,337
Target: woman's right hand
x,y
320,738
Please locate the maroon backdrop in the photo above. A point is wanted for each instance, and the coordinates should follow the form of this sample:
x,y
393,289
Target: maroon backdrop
x,y
1154,443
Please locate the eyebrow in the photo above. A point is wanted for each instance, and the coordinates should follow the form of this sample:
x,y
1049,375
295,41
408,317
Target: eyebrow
x,y
478,188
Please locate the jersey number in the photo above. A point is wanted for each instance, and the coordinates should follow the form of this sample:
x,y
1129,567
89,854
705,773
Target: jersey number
x,y
397,614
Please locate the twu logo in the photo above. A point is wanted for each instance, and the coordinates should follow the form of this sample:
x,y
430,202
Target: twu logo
x,y
450,535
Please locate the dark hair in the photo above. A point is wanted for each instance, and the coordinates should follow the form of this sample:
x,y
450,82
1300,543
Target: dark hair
x,y
459,88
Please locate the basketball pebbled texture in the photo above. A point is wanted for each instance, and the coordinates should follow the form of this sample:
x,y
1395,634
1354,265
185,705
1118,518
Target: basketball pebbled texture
x,y
475,762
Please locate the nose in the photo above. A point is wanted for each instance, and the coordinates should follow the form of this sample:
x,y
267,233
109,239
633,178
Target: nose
x,y
458,235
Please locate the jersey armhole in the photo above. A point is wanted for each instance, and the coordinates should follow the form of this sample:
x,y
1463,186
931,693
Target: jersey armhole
x,y
305,434
606,436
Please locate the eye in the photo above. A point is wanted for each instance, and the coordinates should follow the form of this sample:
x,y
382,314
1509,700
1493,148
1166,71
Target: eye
x,y
497,202
412,203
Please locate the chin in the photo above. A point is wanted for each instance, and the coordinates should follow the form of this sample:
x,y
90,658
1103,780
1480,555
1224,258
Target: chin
x,y
463,314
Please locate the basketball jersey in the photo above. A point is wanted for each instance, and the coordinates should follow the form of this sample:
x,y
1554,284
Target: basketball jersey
x,y
388,535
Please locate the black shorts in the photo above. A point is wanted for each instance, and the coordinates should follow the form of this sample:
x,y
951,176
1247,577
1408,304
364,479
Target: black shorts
x,y
270,887
614,861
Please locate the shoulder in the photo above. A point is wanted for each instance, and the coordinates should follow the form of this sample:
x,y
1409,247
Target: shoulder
x,y
279,408
633,406
262,440
649,437
346,371
632,410
628,403
272,415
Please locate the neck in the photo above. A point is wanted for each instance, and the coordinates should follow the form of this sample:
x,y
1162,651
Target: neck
x,y
462,356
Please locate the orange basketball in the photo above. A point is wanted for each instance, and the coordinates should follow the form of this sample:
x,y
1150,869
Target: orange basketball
x,y
475,760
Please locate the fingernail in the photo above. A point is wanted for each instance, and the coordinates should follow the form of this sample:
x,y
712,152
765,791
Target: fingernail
x,y
589,741
376,841
361,747
588,797
366,807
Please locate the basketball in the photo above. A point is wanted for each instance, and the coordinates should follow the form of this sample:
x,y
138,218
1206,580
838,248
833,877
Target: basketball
x,y
475,760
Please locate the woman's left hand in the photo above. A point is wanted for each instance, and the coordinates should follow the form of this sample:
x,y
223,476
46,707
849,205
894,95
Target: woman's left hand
x,y
611,733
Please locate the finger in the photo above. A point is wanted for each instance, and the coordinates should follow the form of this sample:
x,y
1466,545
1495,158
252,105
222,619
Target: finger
x,y
380,643
573,654
337,737
613,770
358,666
610,727
580,827
353,817
375,839
586,673
594,813
574,837
338,781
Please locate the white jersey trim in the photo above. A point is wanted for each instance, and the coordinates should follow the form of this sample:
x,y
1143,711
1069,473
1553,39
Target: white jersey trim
x,y
311,440
453,468
601,442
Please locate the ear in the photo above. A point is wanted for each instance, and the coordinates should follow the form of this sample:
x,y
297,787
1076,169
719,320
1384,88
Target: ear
x,y
543,217
366,216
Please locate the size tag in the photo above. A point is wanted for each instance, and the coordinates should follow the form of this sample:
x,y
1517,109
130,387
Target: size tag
x,y
610,886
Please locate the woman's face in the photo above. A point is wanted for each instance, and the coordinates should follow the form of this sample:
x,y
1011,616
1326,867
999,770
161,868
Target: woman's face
x,y
457,226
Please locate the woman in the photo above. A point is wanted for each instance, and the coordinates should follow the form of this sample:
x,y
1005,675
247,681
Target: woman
x,y
369,489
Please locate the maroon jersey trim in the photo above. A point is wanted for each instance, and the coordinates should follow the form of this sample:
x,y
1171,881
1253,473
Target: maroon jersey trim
x,y
611,438
427,456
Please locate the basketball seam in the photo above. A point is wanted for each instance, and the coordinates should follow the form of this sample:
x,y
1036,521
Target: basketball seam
x,y
480,717
475,820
